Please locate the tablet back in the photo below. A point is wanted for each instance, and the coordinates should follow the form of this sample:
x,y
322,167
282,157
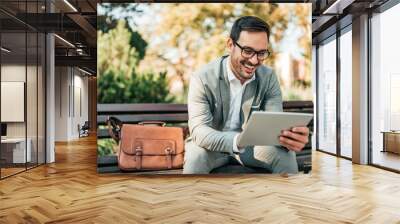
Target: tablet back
x,y
264,128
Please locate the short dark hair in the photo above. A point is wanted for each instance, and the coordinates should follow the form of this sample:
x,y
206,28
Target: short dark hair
x,y
248,23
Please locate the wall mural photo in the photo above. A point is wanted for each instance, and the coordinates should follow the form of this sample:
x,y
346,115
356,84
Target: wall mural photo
x,y
204,88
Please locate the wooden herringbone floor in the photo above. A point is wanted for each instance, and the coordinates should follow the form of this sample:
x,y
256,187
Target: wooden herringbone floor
x,y
70,191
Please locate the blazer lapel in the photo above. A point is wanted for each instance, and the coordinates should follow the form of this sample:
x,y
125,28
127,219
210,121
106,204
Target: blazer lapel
x,y
248,97
224,89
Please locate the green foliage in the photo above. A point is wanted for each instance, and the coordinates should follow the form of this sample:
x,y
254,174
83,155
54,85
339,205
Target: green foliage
x,y
118,80
115,52
293,96
296,93
138,43
149,88
108,21
105,24
112,87
107,8
146,88
106,147
302,83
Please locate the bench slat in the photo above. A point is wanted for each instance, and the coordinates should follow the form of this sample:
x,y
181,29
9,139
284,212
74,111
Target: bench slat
x,y
141,108
132,119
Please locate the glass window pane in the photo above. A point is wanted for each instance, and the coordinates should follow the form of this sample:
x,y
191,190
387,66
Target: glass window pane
x,y
327,97
14,151
313,83
41,98
31,96
386,89
346,94
23,85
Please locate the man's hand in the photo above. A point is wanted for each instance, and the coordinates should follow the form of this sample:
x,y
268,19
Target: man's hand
x,y
294,139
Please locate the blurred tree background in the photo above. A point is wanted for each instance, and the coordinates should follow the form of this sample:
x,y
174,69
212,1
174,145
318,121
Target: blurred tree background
x,y
120,49
147,51
183,37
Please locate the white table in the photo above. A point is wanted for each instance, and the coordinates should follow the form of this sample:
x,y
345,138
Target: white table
x,y
19,149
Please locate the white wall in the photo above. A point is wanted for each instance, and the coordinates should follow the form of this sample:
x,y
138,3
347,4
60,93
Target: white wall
x,y
61,103
12,73
81,84
71,87
33,127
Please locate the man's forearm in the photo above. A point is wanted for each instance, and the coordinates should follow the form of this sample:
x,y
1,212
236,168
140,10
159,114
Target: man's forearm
x,y
213,140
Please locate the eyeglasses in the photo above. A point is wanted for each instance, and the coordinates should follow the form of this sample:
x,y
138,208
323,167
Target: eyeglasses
x,y
248,52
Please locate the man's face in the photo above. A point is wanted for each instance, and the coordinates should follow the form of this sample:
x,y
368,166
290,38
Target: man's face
x,y
242,67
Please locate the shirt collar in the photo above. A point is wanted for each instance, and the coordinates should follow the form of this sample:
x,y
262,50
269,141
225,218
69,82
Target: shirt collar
x,y
231,76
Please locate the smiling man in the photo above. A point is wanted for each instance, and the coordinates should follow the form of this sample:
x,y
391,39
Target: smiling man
x,y
222,96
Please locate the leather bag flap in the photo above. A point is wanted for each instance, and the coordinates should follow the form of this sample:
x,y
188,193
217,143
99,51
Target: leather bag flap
x,y
150,140
151,147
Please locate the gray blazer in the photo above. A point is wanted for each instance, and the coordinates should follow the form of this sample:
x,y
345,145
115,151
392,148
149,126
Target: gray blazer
x,y
208,103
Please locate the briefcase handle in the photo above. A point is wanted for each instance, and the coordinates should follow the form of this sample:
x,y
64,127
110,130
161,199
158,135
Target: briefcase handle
x,y
157,123
114,128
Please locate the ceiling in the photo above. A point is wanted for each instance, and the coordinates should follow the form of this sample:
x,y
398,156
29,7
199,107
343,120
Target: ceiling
x,y
74,21
328,16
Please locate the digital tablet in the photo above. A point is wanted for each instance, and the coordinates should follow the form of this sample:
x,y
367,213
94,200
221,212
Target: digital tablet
x,y
263,128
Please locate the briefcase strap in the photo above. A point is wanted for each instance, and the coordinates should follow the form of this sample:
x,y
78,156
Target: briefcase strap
x,y
138,157
169,157
156,123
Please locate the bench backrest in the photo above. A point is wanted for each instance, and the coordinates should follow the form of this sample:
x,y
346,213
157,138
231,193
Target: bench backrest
x,y
169,113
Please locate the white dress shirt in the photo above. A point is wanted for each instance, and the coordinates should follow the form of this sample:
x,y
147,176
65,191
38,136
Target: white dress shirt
x,y
236,93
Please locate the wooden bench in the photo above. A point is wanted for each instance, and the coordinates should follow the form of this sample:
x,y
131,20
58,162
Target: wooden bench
x,y
177,115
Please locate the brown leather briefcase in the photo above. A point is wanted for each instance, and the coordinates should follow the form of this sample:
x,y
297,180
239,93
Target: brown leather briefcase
x,y
145,147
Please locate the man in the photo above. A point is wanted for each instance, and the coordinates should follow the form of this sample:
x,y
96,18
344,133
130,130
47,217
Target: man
x,y
222,96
